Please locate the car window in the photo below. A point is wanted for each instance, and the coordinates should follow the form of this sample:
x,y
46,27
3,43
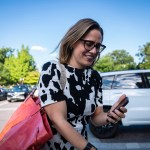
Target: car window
x,y
128,81
17,89
107,82
24,89
148,79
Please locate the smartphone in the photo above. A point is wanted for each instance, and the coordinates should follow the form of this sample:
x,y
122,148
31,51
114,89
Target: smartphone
x,y
123,103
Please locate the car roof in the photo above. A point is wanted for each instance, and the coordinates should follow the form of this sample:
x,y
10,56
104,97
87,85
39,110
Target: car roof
x,y
124,72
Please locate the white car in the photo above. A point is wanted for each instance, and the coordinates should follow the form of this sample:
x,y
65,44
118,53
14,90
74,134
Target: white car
x,y
136,85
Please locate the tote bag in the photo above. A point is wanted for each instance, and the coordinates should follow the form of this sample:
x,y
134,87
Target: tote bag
x,y
28,127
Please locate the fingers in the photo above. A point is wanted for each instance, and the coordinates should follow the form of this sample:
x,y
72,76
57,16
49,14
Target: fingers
x,y
116,116
111,119
123,109
122,97
117,111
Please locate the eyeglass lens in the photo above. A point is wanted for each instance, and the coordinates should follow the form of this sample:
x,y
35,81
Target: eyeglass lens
x,y
89,45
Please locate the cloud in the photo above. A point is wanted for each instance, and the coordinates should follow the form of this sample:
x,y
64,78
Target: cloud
x,y
38,48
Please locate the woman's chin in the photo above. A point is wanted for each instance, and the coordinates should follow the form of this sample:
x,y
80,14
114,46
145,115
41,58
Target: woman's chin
x,y
89,63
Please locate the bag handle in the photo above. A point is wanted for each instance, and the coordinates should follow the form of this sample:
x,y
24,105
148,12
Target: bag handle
x,y
62,76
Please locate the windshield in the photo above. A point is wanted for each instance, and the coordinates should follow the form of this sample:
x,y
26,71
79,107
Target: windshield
x,y
19,89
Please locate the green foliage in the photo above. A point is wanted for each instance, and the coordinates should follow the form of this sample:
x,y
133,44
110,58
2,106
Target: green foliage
x,y
117,60
144,56
32,78
5,53
122,60
104,64
20,65
4,73
11,65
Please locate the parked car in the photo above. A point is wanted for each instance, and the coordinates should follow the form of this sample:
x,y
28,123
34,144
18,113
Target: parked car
x,y
3,94
18,93
136,85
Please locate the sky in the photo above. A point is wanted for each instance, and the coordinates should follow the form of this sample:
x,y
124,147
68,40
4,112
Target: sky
x,y
41,24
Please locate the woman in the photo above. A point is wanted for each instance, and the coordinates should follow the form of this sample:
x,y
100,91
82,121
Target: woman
x,y
70,109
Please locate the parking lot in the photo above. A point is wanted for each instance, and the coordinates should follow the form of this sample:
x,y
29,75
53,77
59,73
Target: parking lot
x,y
127,138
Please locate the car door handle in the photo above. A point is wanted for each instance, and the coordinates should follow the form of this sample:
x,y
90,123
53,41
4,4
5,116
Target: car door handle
x,y
117,92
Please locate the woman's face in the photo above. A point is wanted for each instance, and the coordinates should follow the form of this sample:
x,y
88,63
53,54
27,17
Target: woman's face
x,y
85,50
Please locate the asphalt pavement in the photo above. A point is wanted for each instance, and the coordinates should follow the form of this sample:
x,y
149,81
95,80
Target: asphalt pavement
x,y
128,138
116,144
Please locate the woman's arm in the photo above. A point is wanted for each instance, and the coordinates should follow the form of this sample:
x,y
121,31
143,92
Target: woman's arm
x,y
57,113
100,118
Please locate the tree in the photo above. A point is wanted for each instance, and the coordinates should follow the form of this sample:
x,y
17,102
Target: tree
x,y
4,73
19,66
117,60
32,78
104,64
144,56
5,53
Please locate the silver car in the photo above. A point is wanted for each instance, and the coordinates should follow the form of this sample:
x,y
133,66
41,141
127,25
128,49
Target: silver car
x,y
18,93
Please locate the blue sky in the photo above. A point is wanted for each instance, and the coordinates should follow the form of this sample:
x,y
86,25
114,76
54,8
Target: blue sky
x,y
40,24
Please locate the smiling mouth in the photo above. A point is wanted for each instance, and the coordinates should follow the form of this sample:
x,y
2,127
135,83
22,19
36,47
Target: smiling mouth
x,y
90,58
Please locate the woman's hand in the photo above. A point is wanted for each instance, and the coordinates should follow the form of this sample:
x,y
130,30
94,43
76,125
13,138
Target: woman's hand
x,y
116,115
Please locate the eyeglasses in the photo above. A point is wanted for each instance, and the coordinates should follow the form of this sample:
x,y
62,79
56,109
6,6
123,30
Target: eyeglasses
x,y
89,45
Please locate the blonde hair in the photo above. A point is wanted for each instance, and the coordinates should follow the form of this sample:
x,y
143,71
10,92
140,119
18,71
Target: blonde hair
x,y
75,33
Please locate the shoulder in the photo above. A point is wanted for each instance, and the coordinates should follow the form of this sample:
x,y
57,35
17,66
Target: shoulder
x,y
96,74
53,64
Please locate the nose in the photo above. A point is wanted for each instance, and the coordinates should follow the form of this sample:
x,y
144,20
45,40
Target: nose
x,y
93,50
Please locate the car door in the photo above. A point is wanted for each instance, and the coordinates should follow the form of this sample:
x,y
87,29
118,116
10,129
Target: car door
x,y
134,86
107,82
